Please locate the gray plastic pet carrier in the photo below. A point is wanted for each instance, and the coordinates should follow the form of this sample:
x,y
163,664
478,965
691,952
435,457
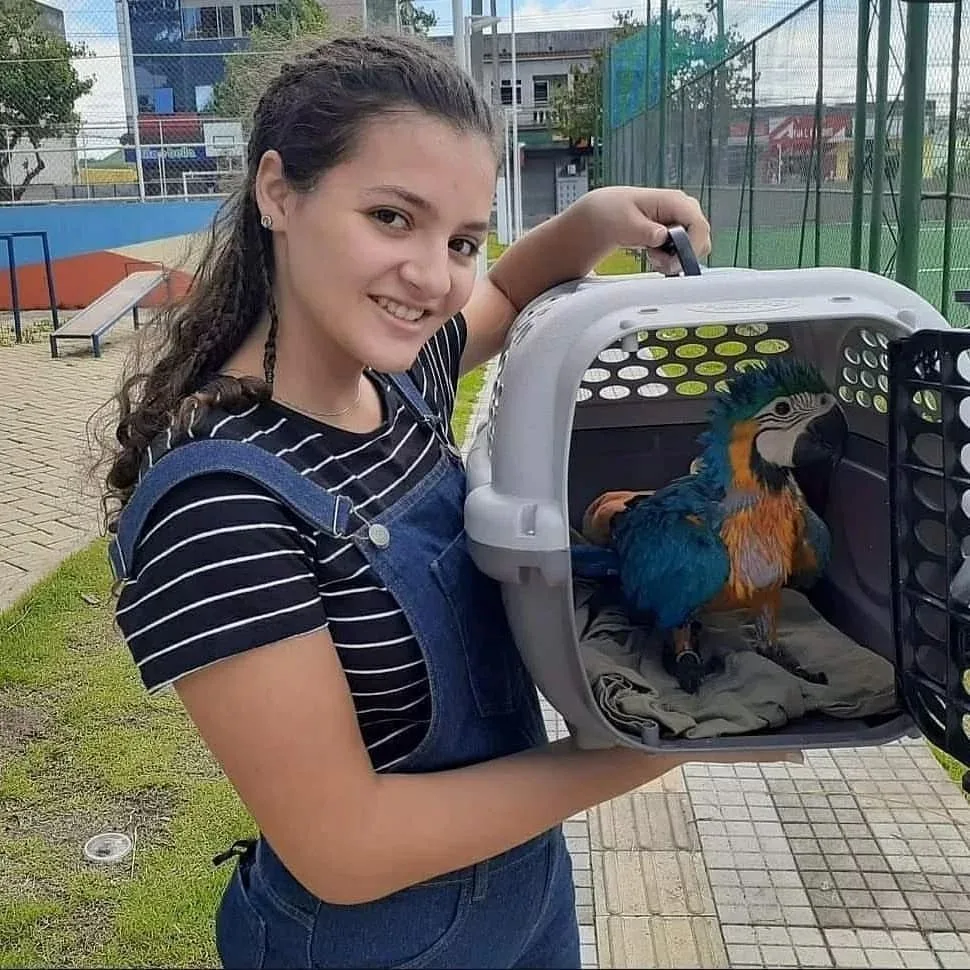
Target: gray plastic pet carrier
x,y
605,383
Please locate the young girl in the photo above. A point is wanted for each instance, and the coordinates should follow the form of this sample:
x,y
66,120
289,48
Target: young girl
x,y
292,538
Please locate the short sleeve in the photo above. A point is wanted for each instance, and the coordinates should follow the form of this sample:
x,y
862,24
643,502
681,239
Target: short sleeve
x,y
438,366
221,567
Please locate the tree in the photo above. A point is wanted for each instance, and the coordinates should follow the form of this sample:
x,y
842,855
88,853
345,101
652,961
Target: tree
x,y
578,109
415,19
296,27
39,88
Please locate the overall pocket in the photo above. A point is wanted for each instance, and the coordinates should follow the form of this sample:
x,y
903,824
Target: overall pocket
x,y
412,928
240,929
475,600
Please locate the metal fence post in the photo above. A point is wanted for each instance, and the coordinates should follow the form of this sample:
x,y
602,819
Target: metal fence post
x,y
646,97
819,130
683,137
911,156
951,159
662,97
752,148
879,134
859,133
609,135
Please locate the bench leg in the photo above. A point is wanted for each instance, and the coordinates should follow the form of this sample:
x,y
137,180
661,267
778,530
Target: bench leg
x,y
134,315
53,340
96,346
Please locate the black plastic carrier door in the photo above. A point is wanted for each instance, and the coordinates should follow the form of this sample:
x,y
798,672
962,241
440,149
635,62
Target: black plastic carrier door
x,y
929,481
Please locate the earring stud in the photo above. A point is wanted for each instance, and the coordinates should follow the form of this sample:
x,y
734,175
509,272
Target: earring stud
x,y
266,222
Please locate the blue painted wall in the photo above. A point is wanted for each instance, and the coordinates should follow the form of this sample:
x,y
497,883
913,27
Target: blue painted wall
x,y
74,228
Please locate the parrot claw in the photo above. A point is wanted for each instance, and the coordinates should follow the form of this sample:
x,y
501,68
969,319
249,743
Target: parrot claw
x,y
777,653
816,677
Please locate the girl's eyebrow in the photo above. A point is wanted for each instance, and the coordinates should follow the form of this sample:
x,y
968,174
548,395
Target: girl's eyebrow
x,y
406,195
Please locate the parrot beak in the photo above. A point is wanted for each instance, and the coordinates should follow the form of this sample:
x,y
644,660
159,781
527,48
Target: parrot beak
x,y
823,439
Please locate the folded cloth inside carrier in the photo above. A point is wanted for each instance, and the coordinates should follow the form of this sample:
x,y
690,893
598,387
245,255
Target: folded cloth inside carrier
x,y
751,693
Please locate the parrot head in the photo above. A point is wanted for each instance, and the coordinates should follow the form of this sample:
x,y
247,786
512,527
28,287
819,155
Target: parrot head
x,y
786,410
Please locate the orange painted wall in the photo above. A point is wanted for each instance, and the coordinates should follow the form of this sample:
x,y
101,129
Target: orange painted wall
x,y
80,280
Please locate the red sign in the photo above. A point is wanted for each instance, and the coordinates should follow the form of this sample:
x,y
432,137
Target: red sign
x,y
170,129
799,129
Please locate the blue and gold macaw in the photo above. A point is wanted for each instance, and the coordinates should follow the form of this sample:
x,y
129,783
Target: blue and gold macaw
x,y
735,530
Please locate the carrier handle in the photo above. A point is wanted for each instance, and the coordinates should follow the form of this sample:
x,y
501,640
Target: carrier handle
x,y
678,244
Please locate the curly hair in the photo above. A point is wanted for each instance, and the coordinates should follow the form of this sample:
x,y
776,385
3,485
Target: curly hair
x,y
312,113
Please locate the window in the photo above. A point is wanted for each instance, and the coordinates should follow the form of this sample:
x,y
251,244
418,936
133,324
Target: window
x,y
199,23
252,14
506,90
543,87
203,96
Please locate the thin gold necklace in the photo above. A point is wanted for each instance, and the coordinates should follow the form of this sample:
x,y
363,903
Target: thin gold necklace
x,y
323,414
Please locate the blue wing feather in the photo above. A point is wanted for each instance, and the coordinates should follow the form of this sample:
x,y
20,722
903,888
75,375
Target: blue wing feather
x,y
671,555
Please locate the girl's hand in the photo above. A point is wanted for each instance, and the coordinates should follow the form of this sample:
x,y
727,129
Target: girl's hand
x,y
623,216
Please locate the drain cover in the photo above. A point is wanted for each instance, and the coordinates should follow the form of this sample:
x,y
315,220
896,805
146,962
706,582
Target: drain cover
x,y
107,847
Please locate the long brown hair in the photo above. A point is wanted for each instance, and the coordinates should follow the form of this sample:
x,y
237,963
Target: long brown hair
x,y
312,114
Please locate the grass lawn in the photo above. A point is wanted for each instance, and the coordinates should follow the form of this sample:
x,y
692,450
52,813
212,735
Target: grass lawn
x,y
84,750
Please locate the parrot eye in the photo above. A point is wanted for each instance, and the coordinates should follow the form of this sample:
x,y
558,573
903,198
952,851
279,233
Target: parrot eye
x,y
782,408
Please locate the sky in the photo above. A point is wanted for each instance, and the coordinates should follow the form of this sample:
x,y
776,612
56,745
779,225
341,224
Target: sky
x,y
786,57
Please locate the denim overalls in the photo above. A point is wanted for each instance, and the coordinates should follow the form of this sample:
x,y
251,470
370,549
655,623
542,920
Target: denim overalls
x,y
514,910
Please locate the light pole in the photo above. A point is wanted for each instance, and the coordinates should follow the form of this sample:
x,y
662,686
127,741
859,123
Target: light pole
x,y
472,24
516,164
458,21
475,23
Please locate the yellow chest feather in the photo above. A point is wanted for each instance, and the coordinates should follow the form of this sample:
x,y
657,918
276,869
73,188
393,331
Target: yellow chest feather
x,y
761,538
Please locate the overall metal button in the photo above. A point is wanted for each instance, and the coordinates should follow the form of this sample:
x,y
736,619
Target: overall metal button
x,y
379,535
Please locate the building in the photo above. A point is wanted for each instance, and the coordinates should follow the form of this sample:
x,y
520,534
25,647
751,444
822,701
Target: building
x,y
173,55
784,143
553,171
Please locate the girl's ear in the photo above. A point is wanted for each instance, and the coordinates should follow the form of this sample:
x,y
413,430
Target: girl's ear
x,y
272,189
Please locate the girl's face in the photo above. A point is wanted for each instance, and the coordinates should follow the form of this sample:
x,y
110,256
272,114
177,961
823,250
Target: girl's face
x,y
382,251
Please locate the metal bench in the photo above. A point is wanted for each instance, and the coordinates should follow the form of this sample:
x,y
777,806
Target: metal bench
x,y
99,317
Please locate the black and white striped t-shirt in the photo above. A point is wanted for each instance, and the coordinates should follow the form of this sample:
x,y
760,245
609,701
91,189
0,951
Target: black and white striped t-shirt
x,y
222,566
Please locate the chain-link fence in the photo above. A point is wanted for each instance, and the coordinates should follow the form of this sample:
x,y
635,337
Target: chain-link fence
x,y
73,80
768,135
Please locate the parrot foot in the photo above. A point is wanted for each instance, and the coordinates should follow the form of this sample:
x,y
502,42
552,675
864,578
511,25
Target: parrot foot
x,y
682,659
779,655
688,671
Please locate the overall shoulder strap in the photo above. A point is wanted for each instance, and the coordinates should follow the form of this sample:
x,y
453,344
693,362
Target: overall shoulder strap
x,y
409,391
406,387
202,456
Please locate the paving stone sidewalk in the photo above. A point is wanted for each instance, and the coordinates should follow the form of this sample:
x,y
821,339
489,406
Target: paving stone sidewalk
x,y
49,503
858,858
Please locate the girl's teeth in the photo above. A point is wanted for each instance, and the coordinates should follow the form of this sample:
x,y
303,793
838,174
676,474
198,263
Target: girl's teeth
x,y
401,312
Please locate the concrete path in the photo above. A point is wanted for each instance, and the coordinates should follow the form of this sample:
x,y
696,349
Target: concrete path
x,y
858,858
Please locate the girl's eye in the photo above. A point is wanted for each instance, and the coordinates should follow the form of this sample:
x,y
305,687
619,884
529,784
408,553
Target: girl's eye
x,y
387,217
472,246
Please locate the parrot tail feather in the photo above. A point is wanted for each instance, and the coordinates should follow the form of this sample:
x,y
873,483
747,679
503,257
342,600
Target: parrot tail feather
x,y
594,562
